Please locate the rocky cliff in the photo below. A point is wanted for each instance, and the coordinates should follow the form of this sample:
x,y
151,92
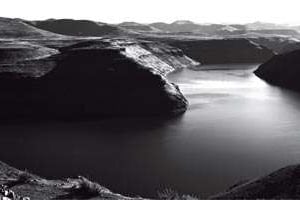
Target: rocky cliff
x,y
222,51
103,77
20,185
282,70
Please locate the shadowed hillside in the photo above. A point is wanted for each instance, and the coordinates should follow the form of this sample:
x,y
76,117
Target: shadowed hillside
x,y
16,28
89,79
77,27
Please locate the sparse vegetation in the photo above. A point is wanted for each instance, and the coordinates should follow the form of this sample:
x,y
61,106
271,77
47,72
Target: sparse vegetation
x,y
169,194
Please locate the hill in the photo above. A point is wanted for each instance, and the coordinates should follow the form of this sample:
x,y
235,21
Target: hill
x,y
73,27
17,28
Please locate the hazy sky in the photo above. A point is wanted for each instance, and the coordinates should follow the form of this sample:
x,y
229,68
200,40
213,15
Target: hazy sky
x,y
115,11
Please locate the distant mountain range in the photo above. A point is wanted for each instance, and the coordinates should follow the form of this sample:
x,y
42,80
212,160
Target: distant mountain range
x,y
185,26
73,27
279,38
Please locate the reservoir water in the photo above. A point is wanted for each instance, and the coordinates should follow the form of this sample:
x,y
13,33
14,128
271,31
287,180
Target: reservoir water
x,y
237,127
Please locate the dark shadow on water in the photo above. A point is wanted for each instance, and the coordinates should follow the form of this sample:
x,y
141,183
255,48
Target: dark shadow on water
x,y
115,152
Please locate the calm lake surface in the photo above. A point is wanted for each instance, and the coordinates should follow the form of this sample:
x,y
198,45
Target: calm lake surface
x,y
237,127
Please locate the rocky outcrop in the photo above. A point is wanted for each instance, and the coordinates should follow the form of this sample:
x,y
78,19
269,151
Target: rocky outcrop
x,y
77,27
222,51
281,184
282,70
93,78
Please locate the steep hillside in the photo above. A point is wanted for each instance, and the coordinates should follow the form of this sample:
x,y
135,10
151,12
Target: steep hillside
x,y
17,28
92,78
77,27
12,52
282,70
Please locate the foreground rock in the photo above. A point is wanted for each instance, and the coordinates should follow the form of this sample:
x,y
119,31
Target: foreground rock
x,y
137,27
281,184
23,185
96,78
282,70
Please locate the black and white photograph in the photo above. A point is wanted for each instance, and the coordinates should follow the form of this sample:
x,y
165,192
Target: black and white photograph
x,y
149,100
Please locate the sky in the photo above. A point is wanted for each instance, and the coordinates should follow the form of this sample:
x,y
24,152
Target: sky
x,y
147,11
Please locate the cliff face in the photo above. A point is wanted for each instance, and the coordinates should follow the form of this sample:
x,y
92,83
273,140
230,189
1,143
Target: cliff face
x,y
282,70
108,77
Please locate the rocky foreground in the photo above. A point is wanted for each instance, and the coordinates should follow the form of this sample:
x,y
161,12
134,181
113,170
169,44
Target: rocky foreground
x,y
17,184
